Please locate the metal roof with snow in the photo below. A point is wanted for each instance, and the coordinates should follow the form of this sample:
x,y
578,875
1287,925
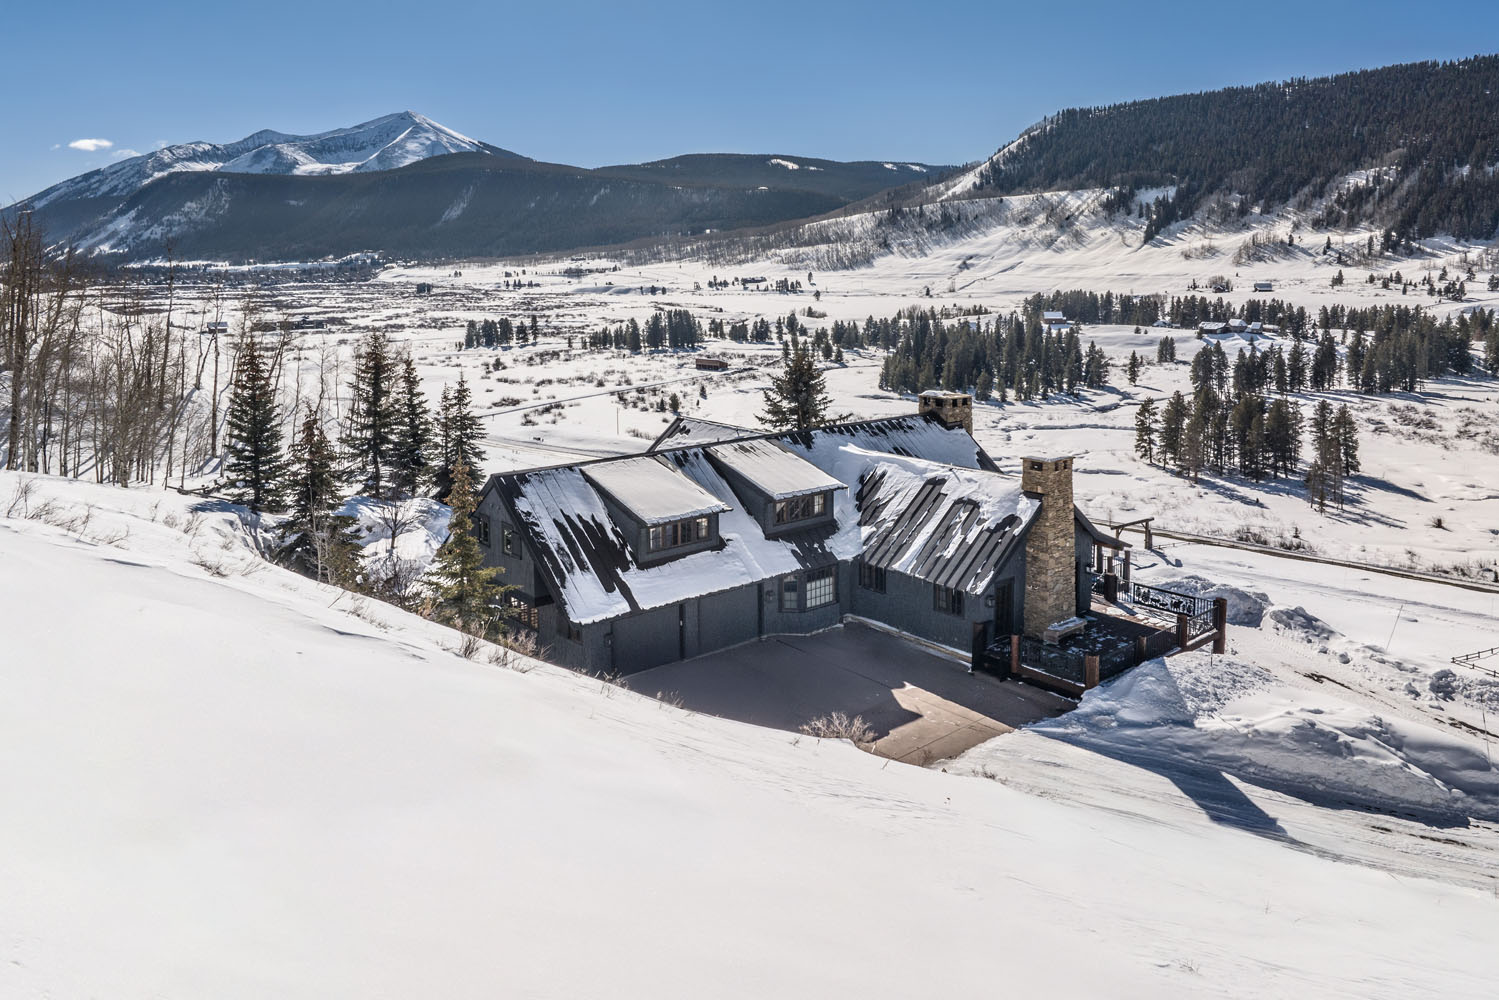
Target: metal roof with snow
x,y
949,527
651,491
771,468
684,431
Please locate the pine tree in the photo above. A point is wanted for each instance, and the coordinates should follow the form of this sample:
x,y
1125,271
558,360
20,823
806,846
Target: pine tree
x,y
464,591
316,539
370,439
252,442
1345,434
1145,430
1133,368
459,432
410,456
797,398
1173,424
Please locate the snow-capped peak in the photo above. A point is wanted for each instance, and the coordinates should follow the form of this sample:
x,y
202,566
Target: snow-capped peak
x,y
383,143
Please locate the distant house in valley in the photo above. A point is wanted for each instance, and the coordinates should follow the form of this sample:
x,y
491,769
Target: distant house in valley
x,y
1264,286
719,535
710,364
1056,322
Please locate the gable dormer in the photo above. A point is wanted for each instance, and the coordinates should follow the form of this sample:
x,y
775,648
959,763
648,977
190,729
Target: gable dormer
x,y
781,490
665,514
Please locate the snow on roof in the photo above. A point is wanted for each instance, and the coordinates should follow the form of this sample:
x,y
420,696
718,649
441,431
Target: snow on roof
x,y
651,492
773,469
1056,317
950,527
594,570
695,430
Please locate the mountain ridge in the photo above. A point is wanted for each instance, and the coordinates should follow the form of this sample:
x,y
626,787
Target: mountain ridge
x,y
407,185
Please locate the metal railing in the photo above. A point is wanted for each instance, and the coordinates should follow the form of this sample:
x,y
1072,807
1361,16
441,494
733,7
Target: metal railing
x,y
1165,605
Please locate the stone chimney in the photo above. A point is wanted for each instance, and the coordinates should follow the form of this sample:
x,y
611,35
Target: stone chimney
x,y
1050,548
954,409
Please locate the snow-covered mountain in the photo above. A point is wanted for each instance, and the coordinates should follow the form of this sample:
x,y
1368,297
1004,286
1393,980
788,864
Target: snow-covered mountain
x,y
384,143
409,186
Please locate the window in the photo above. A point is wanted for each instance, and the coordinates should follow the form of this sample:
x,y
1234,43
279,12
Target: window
x,y
801,508
790,589
947,600
568,630
822,587
508,541
481,529
522,613
675,534
872,577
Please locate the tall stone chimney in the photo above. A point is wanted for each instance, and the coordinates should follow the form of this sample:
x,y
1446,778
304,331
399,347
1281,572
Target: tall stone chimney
x,y
954,409
1050,548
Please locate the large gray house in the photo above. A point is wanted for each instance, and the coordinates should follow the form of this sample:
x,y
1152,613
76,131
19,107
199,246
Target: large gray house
x,y
718,536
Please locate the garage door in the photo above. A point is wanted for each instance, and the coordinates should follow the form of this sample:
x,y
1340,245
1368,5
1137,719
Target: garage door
x,y
647,640
729,618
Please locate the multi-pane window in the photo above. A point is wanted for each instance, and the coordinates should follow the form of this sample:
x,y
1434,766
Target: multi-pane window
x,y
523,613
790,594
947,600
872,577
822,587
481,529
678,533
508,540
801,508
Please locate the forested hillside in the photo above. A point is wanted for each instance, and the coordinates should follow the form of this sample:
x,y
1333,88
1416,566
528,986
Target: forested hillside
x,y
1428,132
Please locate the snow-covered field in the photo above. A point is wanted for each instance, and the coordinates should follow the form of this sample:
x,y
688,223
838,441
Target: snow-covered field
x,y
235,782
224,780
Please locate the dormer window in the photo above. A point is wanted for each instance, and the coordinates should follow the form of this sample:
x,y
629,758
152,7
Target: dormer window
x,y
801,508
675,534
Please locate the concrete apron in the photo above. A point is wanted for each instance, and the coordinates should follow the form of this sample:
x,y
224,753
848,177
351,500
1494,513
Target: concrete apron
x,y
944,729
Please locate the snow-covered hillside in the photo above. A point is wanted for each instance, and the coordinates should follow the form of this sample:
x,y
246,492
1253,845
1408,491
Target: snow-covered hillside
x,y
383,143
224,780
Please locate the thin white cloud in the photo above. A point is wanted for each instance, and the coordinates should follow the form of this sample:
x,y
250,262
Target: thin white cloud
x,y
90,145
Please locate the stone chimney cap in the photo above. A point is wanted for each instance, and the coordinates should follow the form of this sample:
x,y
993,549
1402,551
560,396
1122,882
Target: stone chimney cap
x,y
1048,458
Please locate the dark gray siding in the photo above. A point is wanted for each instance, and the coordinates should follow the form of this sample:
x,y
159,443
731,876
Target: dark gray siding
x,y
726,619
907,605
647,639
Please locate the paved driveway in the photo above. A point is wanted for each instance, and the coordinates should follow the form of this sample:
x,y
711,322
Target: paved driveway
x,y
922,706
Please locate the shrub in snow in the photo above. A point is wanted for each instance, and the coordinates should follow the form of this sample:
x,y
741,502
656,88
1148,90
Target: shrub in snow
x,y
838,726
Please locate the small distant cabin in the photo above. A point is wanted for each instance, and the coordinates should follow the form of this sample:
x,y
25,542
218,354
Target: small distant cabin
x,y
215,328
1264,286
1237,326
1056,322
424,288
308,323
711,364
1208,329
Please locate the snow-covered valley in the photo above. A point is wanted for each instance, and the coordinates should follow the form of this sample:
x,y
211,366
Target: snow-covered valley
x,y
232,781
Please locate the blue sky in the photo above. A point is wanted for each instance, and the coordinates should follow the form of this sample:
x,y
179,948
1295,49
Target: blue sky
x,y
596,83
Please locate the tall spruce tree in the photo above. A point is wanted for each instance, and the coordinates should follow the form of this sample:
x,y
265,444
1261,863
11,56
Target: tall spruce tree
x,y
316,539
370,439
411,454
1145,430
464,591
253,460
458,433
797,398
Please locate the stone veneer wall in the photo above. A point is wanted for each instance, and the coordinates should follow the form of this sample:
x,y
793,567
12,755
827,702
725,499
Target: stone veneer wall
x,y
1050,549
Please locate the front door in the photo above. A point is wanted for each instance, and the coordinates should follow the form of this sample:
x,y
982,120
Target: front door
x,y
1004,609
